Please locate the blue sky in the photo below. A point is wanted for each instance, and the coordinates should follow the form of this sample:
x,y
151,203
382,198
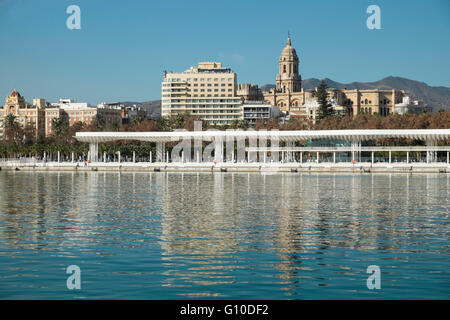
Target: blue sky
x,y
123,46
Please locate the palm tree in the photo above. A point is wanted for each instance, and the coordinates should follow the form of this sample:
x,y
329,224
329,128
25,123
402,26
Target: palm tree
x,y
13,132
10,121
60,127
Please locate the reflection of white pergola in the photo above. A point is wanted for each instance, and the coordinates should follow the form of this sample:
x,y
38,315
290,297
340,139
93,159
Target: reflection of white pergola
x,y
430,136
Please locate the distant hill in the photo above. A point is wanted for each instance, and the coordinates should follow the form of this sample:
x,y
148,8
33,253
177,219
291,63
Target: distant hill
x,y
436,97
153,107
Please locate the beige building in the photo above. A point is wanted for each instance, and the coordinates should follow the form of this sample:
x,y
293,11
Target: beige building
x,y
249,92
29,116
39,115
371,101
207,90
289,95
74,112
50,114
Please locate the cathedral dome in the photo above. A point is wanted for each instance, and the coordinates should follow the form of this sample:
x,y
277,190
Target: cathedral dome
x,y
288,51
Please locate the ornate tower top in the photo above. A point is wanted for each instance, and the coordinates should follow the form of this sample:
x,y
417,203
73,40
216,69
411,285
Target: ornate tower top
x,y
288,78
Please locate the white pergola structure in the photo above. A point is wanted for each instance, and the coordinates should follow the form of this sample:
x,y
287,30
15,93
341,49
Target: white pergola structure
x,y
355,137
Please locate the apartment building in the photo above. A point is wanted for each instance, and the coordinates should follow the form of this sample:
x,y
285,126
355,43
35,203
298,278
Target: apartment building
x,y
28,116
207,90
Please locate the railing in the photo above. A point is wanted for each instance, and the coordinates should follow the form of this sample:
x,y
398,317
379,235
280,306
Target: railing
x,y
350,149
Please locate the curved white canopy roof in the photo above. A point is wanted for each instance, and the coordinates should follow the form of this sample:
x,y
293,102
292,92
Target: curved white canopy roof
x,y
351,135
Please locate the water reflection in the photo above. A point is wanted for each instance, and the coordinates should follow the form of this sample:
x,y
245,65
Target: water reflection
x,y
233,235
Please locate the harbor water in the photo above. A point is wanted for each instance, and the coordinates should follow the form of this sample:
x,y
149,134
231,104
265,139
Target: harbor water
x,y
173,235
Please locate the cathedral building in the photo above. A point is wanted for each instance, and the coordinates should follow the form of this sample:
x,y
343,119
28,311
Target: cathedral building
x,y
288,94
290,97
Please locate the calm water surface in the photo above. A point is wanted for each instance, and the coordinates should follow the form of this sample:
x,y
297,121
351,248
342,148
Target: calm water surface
x,y
224,235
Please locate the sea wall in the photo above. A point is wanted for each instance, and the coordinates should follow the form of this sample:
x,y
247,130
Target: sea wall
x,y
232,167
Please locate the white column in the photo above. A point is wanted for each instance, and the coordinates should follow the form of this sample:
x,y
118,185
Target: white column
x,y
218,150
150,159
318,157
118,156
59,156
334,157
448,159
73,157
301,157
353,150
104,157
407,156
430,152
359,151
93,152
134,156
373,157
160,151
390,156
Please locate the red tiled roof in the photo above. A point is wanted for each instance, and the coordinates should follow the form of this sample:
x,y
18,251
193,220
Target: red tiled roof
x,y
14,93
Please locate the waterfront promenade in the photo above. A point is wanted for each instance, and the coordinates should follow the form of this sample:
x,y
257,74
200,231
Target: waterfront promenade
x,y
249,151
357,167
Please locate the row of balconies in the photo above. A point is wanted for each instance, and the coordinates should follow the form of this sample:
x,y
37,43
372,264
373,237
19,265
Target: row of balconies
x,y
205,111
257,115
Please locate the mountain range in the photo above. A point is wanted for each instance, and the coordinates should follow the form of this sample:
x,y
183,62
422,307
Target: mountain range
x,y
436,97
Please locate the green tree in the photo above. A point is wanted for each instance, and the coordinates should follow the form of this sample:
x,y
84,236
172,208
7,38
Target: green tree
x,y
239,124
60,127
10,121
137,121
13,132
99,121
325,108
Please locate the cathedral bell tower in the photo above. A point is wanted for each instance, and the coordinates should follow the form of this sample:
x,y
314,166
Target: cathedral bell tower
x,y
288,78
